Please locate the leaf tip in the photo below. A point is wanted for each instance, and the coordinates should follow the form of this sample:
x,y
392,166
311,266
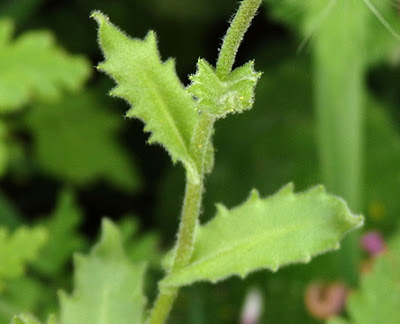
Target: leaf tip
x,y
274,268
254,195
98,16
307,258
287,189
221,209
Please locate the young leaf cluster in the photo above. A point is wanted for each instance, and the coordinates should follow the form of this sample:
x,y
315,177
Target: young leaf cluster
x,y
217,97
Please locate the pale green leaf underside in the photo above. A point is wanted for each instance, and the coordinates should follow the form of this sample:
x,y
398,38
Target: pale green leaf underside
x,y
378,298
34,67
19,248
108,287
152,88
218,97
267,233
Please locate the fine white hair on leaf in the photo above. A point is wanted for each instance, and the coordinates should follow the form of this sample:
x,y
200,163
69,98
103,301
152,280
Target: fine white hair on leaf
x,y
317,23
381,19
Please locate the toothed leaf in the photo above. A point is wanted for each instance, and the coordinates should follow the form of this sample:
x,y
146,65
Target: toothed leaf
x,y
378,298
108,287
34,67
267,233
152,88
218,97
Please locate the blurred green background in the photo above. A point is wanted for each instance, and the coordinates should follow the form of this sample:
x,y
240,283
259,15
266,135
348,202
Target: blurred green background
x,y
69,160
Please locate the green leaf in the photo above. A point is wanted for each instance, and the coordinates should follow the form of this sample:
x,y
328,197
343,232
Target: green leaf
x,y
108,287
34,67
64,238
217,97
153,90
139,248
18,249
77,141
378,298
267,233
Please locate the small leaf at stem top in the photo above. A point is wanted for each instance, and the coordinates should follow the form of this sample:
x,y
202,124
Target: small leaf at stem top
x,y
219,97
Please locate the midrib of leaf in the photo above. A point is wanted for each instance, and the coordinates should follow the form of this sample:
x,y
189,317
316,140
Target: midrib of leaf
x,y
244,245
164,109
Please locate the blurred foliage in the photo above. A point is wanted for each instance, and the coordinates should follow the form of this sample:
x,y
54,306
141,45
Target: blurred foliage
x,y
108,286
17,249
60,136
32,66
378,298
81,140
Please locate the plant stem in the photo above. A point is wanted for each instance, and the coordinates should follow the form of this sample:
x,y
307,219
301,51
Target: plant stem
x,y
200,144
339,93
234,36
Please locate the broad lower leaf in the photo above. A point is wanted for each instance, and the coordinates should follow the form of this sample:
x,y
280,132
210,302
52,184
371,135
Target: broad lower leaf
x,y
19,248
152,88
108,287
267,233
64,238
378,298
77,141
217,97
34,67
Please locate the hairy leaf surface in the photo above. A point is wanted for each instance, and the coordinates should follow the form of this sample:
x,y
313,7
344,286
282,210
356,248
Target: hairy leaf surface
x,y
152,88
217,97
267,233
34,67
378,298
108,287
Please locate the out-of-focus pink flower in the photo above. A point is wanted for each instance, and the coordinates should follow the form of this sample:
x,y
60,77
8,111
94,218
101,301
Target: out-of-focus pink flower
x,y
252,308
325,300
373,243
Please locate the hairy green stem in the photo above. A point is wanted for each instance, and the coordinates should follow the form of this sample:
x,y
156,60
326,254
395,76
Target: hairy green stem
x,y
200,144
339,93
234,36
